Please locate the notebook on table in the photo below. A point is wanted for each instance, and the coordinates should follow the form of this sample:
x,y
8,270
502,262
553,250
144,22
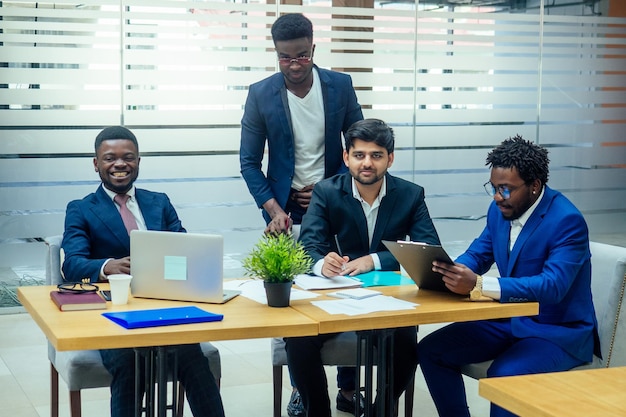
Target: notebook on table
x,y
137,319
68,301
417,259
178,266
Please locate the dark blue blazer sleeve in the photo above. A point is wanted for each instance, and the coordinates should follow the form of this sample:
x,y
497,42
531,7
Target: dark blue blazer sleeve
x,y
267,120
94,231
549,263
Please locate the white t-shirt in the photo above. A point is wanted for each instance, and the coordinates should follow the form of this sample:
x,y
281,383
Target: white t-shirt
x,y
307,118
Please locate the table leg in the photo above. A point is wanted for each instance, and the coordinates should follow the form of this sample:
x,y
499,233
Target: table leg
x,y
143,355
138,388
161,380
150,380
384,398
365,343
175,383
378,347
155,361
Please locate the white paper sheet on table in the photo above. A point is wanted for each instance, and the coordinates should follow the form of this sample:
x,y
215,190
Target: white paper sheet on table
x,y
254,290
313,282
355,293
365,306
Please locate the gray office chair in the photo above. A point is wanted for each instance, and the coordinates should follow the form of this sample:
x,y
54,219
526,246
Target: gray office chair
x,y
608,284
340,351
82,369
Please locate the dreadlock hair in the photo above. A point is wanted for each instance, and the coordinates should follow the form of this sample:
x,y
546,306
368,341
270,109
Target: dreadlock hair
x,y
530,159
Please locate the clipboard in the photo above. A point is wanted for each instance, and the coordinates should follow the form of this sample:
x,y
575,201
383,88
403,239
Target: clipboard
x,y
137,319
417,259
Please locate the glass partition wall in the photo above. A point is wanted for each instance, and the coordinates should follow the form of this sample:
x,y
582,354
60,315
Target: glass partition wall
x,y
453,78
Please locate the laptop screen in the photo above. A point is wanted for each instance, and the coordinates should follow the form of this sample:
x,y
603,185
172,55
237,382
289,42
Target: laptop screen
x,y
177,266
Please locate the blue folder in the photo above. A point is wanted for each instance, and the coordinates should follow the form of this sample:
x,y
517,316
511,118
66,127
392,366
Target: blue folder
x,y
161,317
383,278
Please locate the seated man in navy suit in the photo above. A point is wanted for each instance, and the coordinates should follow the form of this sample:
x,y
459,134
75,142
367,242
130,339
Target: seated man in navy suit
x,y
349,216
96,243
540,244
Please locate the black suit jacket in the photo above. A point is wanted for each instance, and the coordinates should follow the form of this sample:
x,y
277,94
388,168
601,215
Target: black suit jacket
x,y
334,211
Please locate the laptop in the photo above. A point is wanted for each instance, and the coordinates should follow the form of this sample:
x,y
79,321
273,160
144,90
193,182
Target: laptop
x,y
178,266
417,259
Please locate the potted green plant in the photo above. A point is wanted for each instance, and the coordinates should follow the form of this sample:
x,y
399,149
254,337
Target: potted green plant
x,y
277,259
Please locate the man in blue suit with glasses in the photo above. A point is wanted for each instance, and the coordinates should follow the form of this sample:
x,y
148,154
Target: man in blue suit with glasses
x,y
540,244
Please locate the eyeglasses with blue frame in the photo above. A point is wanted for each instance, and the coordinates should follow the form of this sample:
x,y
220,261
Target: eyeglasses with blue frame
x,y
504,190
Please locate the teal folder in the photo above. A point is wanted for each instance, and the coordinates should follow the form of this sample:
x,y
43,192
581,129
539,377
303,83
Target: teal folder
x,y
162,317
383,278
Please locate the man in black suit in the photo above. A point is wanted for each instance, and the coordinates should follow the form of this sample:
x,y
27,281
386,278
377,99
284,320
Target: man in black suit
x,y
349,216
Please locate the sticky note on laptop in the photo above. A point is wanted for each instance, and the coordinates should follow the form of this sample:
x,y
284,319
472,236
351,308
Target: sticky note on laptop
x,y
175,268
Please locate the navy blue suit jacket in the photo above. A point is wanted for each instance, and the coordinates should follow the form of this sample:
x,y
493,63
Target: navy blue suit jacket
x,y
550,263
95,232
267,118
334,211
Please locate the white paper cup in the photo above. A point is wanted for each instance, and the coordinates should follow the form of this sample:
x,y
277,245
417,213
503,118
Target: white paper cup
x,y
120,284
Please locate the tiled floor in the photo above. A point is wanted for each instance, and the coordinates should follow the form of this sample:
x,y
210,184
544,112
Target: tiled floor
x,y
246,380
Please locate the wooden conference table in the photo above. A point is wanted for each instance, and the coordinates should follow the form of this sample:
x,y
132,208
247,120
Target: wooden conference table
x,y
246,319
89,330
376,329
584,393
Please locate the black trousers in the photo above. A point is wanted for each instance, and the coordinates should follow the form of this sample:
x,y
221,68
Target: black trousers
x,y
194,373
305,364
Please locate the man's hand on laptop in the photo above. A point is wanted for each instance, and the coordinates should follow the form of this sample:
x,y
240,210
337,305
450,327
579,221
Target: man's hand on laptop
x,y
117,266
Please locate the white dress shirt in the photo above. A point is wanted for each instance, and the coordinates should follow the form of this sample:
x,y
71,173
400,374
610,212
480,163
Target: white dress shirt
x,y
132,205
491,285
371,215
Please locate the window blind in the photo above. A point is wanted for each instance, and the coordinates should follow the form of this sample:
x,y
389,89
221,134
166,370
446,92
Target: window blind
x,y
453,82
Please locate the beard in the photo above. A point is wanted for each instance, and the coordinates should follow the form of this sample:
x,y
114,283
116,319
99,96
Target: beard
x,y
368,180
118,187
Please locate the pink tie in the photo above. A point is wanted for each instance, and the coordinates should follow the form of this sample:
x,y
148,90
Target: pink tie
x,y
127,216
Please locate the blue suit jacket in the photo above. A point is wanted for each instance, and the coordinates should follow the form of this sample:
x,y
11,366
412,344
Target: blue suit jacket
x,y
267,118
550,263
95,232
334,211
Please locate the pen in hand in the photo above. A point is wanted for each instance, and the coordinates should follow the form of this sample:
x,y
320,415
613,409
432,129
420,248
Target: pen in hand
x,y
287,221
343,265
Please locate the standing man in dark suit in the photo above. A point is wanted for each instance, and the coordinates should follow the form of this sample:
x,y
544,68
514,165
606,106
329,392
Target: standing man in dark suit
x,y
540,244
96,243
349,216
300,113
